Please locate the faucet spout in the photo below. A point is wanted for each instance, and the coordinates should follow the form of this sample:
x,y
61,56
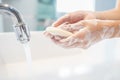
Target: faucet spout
x,y
22,31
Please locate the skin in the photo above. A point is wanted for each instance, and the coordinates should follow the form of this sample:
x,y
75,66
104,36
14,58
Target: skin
x,y
112,14
88,27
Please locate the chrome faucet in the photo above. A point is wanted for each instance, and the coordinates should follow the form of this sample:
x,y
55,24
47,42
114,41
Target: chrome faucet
x,y
22,31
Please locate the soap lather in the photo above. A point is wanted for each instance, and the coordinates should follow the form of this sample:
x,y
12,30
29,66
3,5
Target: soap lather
x,y
58,31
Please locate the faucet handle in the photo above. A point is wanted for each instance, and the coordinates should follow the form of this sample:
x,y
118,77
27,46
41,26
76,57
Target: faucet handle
x,y
22,32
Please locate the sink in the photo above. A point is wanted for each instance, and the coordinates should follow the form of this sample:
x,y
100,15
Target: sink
x,y
51,62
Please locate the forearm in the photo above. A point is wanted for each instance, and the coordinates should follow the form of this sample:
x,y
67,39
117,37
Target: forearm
x,y
113,14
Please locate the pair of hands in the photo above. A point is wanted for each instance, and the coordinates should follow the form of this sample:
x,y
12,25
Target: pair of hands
x,y
86,29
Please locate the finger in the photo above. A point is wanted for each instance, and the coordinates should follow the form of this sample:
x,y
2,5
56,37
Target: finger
x,y
77,26
66,26
47,34
62,20
71,27
55,41
74,45
57,38
69,41
79,38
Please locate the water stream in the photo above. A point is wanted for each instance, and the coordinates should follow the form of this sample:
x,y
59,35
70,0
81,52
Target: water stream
x,y
28,58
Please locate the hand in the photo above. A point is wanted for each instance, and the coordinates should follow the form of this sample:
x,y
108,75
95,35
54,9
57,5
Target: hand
x,y
75,17
92,32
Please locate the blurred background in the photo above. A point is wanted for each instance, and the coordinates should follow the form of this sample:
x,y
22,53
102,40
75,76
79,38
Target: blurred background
x,y
39,14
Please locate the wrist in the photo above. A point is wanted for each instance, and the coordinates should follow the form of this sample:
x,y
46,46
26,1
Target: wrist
x,y
117,29
110,28
114,28
100,15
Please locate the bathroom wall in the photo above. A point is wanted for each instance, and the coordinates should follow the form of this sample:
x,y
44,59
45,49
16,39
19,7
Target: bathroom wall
x,y
2,65
27,9
45,13
3,71
32,11
101,5
73,5
1,22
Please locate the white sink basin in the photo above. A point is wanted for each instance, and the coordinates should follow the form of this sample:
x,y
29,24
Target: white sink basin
x,y
51,62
